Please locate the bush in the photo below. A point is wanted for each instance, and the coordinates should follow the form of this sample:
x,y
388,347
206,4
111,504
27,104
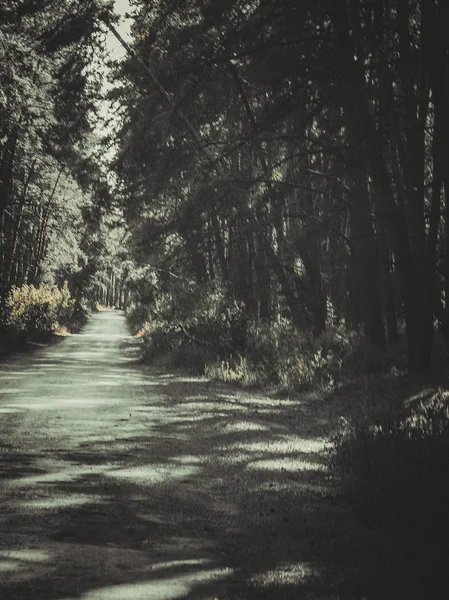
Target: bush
x,y
394,474
279,354
238,371
33,313
203,327
137,315
192,326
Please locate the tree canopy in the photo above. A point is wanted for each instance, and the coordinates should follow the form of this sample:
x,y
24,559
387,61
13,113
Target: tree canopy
x,y
298,152
293,152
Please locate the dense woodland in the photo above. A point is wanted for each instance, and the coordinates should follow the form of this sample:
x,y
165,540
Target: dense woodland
x,y
298,153
289,156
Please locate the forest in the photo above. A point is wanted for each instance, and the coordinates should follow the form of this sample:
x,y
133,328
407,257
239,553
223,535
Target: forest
x,y
267,197
271,161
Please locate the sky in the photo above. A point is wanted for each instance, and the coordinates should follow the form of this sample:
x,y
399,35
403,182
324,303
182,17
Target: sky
x,y
116,50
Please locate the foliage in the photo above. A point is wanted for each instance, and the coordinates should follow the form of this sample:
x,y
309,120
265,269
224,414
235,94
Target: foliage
x,y
193,324
48,87
297,152
33,313
278,354
394,472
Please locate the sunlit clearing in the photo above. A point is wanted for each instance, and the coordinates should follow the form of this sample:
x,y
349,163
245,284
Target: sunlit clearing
x,y
284,575
159,589
155,474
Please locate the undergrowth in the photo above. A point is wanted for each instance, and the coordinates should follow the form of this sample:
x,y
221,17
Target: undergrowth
x,y
29,313
202,328
393,472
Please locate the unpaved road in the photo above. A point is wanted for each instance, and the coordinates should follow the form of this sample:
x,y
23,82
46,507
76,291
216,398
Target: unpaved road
x,y
119,481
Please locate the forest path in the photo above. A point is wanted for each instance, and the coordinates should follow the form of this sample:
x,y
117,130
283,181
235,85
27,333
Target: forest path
x,y
120,481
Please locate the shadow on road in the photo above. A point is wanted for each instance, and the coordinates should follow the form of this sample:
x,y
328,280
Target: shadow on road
x,y
124,482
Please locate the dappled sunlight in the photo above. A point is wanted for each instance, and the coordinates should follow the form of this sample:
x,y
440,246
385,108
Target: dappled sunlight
x,y
9,373
83,383
201,407
241,426
147,482
91,354
11,409
287,574
12,375
291,465
288,445
187,460
424,394
14,563
99,335
287,485
188,421
175,379
162,566
154,474
9,565
200,398
283,454
68,474
61,502
25,555
169,588
255,401
49,403
141,382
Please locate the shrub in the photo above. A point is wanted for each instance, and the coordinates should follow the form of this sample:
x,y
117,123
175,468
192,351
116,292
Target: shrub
x,y
394,474
137,315
30,312
293,359
238,371
193,325
202,326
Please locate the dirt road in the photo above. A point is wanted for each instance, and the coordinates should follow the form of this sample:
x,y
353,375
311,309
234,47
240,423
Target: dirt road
x,y
119,481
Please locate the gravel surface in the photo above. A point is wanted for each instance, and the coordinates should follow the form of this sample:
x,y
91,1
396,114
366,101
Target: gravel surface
x,y
121,481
